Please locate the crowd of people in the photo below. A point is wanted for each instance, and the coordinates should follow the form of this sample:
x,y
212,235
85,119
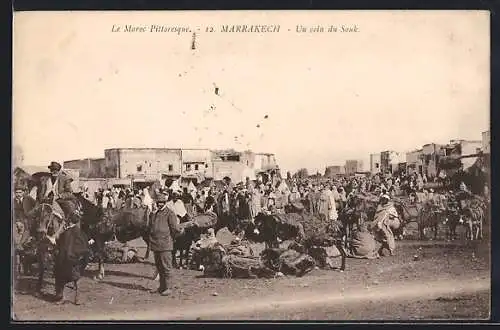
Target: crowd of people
x,y
169,206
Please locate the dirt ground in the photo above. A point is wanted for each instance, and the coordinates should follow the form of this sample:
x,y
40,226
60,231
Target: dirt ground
x,y
448,280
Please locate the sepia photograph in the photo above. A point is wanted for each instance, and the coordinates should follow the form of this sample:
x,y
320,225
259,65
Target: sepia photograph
x,y
251,166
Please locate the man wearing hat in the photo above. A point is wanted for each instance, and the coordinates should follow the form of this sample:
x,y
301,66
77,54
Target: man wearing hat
x,y
163,229
59,189
23,204
60,192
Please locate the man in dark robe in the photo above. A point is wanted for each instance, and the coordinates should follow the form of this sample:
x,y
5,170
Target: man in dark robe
x,y
71,259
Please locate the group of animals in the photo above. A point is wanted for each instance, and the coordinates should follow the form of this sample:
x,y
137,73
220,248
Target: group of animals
x,y
129,224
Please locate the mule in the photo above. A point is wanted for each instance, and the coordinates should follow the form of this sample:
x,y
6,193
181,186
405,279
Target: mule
x,y
272,229
452,220
102,226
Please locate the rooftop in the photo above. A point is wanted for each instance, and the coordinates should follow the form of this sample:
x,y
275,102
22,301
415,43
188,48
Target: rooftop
x,y
78,160
143,149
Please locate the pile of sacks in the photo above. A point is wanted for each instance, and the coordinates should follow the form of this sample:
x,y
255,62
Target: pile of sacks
x,y
322,247
119,253
237,260
288,261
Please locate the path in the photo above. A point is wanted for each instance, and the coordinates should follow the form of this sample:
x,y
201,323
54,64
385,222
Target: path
x,y
243,308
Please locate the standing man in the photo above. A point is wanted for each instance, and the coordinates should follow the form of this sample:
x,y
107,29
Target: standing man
x,y
23,204
386,219
162,232
71,260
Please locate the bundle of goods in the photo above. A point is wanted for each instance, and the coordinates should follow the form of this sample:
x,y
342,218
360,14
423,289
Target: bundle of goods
x,y
119,253
239,248
363,245
205,220
314,226
304,224
290,225
288,261
323,249
245,267
210,258
235,260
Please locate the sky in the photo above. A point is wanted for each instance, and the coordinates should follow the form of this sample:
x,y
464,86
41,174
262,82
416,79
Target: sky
x,y
405,79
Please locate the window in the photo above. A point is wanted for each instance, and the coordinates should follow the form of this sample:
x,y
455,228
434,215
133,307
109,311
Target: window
x,y
188,167
170,167
377,165
139,168
235,158
196,167
206,165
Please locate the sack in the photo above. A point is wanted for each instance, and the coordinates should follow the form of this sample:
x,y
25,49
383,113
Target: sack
x,y
117,253
239,249
295,263
288,261
211,259
363,245
205,221
313,226
245,267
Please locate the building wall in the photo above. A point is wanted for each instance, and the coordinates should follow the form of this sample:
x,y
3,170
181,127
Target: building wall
x,y
413,161
247,158
201,169
75,175
470,148
332,171
264,162
375,163
233,170
112,161
485,145
200,157
432,153
396,158
353,166
89,168
385,161
147,163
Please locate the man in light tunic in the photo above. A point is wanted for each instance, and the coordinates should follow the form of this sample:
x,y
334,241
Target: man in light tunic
x,y
177,206
386,219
